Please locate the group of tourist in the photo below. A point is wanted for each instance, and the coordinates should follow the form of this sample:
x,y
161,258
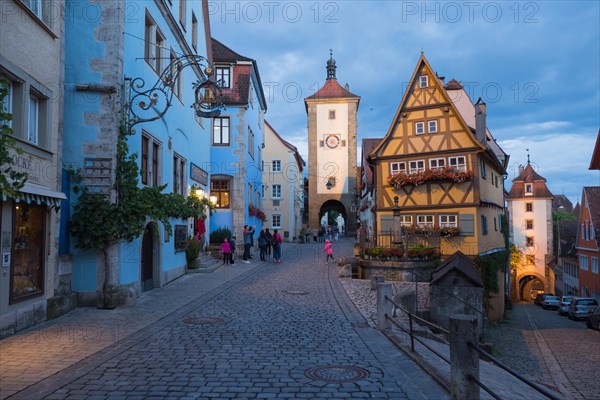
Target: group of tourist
x,y
268,244
320,235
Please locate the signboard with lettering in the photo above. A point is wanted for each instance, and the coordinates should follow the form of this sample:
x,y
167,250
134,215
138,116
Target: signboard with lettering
x,y
198,174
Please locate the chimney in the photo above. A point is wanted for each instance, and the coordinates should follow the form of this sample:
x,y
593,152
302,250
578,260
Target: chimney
x,y
521,169
480,127
347,87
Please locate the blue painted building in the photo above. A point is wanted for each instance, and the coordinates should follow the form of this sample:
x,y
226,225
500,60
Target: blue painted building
x,y
103,57
237,142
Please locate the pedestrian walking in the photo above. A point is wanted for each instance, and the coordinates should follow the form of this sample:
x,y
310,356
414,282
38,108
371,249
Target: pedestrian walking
x,y
248,231
276,241
328,249
226,251
262,244
232,254
307,234
322,234
315,232
269,246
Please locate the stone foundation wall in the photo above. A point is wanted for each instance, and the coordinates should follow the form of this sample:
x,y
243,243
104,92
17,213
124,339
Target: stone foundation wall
x,y
397,271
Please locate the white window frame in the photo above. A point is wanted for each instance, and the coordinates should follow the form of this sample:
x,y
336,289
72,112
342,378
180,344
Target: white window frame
x,y
448,221
7,104
276,221
194,31
455,162
419,128
583,262
418,167
276,166
529,189
263,190
223,139
179,178
397,167
222,78
430,124
175,69
595,265
251,142
437,163
276,191
483,169
406,220
38,9
154,45
424,220
33,119
423,81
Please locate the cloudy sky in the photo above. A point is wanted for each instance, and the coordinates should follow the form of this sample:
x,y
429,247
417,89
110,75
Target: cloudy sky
x,y
535,63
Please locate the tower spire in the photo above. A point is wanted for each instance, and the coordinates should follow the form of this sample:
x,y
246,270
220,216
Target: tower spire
x,y
528,162
331,66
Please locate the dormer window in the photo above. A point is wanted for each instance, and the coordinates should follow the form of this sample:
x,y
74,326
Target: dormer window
x,y
528,189
423,81
223,77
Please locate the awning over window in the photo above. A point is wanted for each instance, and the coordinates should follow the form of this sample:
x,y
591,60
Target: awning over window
x,y
36,194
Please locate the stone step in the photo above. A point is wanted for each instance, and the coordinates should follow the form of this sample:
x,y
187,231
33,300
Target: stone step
x,y
206,265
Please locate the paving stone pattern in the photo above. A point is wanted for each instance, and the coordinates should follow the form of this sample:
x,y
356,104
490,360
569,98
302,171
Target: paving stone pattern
x,y
285,331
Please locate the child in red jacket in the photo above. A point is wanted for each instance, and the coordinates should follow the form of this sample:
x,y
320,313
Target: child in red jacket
x,y
329,250
226,251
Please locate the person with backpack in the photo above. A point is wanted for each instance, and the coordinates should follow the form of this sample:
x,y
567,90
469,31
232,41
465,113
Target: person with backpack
x,y
232,254
269,236
262,244
276,241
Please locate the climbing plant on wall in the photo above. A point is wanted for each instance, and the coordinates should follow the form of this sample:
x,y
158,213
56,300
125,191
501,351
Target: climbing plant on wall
x,y
11,180
97,222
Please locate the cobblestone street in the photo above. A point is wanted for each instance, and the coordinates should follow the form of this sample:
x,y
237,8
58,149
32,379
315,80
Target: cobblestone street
x,y
265,330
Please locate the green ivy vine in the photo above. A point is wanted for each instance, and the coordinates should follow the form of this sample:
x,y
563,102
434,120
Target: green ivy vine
x,y
97,223
10,179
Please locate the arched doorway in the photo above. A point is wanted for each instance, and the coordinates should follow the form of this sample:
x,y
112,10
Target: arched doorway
x,y
148,259
529,285
330,214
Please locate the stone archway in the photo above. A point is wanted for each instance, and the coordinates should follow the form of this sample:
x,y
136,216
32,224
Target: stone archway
x,y
527,283
337,206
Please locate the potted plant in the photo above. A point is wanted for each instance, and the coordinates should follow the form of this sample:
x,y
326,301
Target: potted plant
x,y
192,251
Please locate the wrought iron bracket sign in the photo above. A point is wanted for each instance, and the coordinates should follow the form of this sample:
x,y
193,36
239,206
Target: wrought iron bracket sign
x,y
149,104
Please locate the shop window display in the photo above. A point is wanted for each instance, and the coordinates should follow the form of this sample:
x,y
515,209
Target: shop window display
x,y
27,273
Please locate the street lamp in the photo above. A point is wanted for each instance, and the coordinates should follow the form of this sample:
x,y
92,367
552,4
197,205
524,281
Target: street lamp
x,y
153,103
200,193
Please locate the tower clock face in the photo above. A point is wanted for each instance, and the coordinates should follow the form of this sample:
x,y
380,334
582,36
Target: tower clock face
x,y
332,141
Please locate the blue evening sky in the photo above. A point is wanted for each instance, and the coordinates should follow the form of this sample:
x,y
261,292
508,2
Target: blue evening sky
x,y
535,63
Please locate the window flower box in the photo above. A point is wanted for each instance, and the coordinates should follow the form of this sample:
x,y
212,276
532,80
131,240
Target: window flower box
x,y
441,174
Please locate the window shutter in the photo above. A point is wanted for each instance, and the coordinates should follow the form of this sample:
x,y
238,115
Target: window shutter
x,y
466,223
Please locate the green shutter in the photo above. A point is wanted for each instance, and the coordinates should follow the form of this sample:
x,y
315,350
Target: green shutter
x,y
466,223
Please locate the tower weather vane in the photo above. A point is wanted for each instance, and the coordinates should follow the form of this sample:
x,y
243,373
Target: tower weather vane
x,y
527,155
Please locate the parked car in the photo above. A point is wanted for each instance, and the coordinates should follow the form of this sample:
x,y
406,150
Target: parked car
x,y
581,307
563,307
540,297
550,302
593,320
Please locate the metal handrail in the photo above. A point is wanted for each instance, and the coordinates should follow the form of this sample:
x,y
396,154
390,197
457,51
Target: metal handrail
x,y
417,339
484,387
471,345
499,363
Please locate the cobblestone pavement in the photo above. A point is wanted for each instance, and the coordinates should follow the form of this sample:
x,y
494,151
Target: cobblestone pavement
x,y
550,349
285,331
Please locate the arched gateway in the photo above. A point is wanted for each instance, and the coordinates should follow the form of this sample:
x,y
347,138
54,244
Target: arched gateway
x,y
332,151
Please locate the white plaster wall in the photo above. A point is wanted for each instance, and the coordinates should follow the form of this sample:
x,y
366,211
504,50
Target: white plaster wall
x,y
541,217
332,162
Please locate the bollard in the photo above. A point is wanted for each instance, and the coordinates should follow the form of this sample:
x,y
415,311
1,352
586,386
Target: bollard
x,y
463,360
376,280
384,306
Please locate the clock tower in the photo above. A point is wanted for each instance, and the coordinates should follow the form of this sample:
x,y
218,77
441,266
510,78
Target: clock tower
x,y
332,166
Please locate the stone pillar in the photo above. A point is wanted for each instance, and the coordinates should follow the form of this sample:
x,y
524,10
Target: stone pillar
x,y
383,306
463,360
376,280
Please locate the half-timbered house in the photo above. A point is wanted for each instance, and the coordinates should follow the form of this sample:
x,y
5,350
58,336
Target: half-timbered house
x,y
441,168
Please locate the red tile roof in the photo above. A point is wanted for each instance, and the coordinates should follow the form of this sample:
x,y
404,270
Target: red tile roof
x,y
453,85
595,163
332,90
528,175
299,159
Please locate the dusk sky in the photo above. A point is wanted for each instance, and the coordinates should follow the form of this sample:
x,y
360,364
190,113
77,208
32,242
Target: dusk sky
x,y
535,64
